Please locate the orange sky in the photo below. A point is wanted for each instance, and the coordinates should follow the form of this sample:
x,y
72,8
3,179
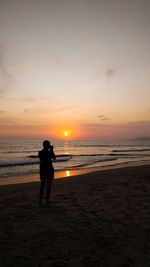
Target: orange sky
x,y
81,66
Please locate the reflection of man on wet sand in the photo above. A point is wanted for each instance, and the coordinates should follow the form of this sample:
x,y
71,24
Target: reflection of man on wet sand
x,y
46,169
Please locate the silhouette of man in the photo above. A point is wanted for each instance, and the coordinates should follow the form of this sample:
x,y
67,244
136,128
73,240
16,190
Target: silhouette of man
x,y
46,169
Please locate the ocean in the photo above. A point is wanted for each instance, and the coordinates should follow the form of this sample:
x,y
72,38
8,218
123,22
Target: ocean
x,y
19,157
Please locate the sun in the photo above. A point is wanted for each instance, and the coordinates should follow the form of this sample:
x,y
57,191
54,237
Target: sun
x,y
66,133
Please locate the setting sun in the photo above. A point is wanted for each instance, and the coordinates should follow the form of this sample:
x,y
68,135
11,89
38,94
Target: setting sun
x,y
66,133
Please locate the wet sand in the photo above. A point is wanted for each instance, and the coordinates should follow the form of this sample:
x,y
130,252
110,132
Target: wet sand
x,y
95,219
68,173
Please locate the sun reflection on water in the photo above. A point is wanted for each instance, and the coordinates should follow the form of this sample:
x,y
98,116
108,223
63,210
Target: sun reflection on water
x,y
67,173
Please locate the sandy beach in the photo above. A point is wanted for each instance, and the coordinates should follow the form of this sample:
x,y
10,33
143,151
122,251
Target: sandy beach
x,y
95,219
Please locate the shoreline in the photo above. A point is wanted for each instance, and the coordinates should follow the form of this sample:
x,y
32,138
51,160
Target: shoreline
x,y
69,173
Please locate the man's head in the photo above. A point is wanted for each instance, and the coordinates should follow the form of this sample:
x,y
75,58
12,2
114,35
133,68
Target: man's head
x,y
46,144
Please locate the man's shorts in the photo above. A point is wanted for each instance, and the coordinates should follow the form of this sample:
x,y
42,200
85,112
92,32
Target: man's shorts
x,y
47,174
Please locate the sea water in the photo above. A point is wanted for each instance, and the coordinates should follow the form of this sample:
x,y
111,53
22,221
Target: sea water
x,y
20,157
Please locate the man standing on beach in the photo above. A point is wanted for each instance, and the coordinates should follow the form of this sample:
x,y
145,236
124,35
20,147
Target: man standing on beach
x,y
46,169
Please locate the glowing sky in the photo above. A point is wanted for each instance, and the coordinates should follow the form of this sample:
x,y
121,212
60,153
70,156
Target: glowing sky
x,y
75,65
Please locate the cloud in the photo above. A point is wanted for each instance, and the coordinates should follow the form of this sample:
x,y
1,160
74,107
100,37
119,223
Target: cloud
x,y
2,111
6,80
66,108
37,110
26,110
110,73
10,128
7,122
142,123
103,118
102,131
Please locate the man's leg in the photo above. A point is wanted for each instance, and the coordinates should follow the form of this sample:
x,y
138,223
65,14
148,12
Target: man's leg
x,y
48,189
42,187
